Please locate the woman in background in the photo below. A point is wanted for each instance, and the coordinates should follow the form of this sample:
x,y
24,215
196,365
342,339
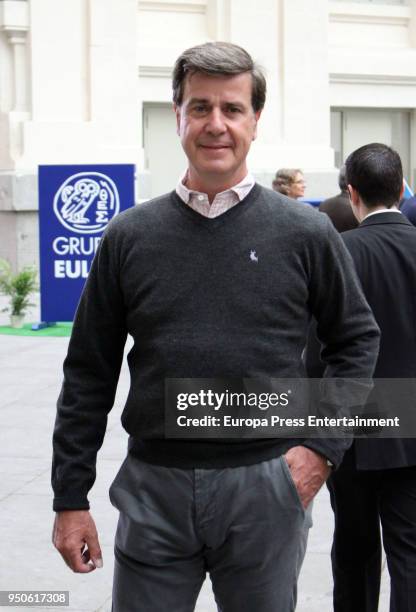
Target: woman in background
x,y
290,182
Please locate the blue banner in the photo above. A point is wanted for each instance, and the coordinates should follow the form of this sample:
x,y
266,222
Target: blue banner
x,y
76,203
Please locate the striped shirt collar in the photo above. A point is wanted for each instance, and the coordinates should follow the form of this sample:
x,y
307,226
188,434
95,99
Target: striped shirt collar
x,y
222,202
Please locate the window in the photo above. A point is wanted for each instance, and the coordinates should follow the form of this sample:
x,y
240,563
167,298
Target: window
x,y
353,127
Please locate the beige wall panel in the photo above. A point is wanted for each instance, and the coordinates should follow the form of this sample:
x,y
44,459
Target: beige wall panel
x,y
58,60
162,36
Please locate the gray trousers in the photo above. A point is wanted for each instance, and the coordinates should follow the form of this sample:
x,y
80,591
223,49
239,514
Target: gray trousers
x,y
245,526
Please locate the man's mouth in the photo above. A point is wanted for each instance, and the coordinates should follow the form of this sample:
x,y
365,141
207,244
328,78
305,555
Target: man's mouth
x,y
215,146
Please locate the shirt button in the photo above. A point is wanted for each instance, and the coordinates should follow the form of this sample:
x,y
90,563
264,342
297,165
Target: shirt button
x,y
201,197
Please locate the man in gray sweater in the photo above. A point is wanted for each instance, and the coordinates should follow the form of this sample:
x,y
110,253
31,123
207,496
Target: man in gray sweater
x,y
217,279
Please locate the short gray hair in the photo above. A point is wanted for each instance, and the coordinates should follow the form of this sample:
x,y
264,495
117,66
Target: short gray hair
x,y
218,59
284,178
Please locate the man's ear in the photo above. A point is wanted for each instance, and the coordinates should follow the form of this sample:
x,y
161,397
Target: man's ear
x,y
354,195
177,111
256,118
354,201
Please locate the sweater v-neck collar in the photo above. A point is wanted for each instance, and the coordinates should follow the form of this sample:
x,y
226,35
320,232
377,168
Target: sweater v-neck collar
x,y
226,216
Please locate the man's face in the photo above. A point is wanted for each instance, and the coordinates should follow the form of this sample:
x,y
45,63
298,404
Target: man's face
x,y
216,124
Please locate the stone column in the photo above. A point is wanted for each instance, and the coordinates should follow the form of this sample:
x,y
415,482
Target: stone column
x,y
17,39
14,23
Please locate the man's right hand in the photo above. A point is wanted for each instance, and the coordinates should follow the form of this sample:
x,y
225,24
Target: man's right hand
x,y
75,537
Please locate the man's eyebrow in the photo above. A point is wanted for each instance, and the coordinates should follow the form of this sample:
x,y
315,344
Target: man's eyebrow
x,y
236,103
198,101
226,103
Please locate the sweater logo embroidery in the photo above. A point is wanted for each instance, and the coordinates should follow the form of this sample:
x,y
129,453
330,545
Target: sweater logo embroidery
x,y
253,256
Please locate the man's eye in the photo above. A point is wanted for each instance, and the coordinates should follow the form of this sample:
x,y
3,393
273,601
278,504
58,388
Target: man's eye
x,y
200,108
234,109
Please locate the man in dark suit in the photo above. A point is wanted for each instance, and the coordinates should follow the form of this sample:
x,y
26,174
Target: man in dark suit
x,y
377,479
338,208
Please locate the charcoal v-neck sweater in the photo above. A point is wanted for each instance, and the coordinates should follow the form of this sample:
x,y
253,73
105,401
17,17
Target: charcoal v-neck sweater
x,y
203,298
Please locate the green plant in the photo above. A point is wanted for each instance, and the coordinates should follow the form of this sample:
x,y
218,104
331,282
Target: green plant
x,y
18,287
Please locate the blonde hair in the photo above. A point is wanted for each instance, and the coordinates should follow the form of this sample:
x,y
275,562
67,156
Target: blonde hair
x,y
284,179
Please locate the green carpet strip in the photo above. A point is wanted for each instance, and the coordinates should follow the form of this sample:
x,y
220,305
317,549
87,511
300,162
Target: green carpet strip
x,y
58,331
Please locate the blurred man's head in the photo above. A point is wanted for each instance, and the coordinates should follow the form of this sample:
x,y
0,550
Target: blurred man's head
x,y
375,178
342,179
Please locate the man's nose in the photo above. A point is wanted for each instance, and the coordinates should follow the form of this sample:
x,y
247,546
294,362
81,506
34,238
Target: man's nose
x,y
216,123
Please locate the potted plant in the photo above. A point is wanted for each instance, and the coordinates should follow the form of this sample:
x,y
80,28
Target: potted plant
x,y
18,287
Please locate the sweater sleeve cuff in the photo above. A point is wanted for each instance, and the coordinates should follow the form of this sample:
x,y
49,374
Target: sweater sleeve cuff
x,y
73,502
331,448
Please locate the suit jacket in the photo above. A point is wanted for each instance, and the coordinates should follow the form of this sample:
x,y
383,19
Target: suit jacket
x,y
383,248
339,211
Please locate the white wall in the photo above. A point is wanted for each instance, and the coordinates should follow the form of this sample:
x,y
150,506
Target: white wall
x,y
372,59
372,55
74,75
287,37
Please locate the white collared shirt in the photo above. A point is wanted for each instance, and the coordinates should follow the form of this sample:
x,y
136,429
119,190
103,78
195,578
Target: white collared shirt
x,y
383,210
222,202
